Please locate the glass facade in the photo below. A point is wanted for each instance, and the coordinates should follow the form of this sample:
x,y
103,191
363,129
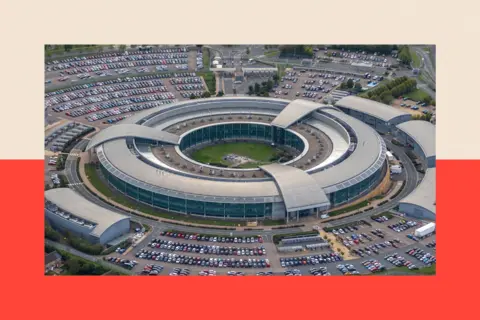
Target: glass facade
x,y
196,207
230,210
252,131
352,192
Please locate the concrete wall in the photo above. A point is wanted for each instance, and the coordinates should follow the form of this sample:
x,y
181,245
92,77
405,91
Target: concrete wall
x,y
116,230
415,211
278,210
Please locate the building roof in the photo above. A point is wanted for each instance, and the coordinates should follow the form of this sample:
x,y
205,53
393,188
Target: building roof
x,y
294,111
52,256
206,104
175,185
299,190
373,108
366,159
131,130
424,194
368,156
423,132
70,201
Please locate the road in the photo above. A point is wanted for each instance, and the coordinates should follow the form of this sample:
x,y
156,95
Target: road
x,y
427,81
88,257
427,66
411,177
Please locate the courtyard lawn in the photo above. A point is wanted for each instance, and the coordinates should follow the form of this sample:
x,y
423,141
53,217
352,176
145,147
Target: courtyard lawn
x,y
260,152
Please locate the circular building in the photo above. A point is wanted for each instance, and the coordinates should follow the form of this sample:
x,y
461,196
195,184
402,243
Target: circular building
x,y
320,158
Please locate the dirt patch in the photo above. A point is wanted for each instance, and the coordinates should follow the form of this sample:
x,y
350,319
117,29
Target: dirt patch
x,y
408,104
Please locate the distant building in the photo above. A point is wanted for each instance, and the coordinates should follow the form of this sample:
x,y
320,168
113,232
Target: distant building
x,y
67,210
53,260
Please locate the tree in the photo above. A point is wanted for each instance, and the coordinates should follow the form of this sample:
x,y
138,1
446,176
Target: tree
x,y
250,90
73,265
248,50
192,96
257,87
269,85
386,97
122,47
206,94
266,94
220,94
350,83
358,87
427,99
276,77
405,56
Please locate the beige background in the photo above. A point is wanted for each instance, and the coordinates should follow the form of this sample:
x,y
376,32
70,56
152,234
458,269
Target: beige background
x,y
453,26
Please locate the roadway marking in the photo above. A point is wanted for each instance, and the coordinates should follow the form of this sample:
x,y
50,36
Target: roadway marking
x,y
75,184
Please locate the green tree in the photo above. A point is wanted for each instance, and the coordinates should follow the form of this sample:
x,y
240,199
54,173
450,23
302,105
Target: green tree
x,y
122,47
220,94
358,87
257,87
350,83
405,56
386,97
344,86
269,85
192,96
250,90
248,50
73,265
206,94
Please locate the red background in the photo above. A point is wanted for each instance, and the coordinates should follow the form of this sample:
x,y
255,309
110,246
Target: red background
x,y
28,294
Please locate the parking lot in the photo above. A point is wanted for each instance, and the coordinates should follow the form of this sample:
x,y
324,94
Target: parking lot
x,y
340,56
307,85
99,65
108,102
413,107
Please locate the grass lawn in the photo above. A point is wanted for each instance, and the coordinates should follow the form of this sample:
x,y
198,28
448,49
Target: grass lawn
x,y
206,58
260,152
348,209
210,81
416,61
417,95
103,188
